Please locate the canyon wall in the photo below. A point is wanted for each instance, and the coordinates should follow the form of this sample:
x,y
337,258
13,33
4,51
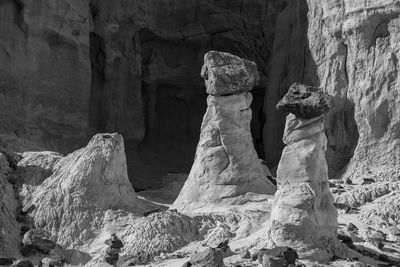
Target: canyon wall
x,y
72,68
350,49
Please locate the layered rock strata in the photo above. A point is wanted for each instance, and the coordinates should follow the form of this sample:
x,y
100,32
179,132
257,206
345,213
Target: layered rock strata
x,y
303,216
226,164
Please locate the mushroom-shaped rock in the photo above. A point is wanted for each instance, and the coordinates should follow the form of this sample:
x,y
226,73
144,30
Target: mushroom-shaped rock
x,y
226,74
303,216
226,164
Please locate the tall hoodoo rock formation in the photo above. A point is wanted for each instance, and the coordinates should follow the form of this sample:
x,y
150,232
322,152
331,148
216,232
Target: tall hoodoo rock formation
x,y
303,216
226,164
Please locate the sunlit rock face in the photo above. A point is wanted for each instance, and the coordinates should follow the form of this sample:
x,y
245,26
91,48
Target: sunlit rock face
x,y
226,164
350,49
82,190
303,216
372,37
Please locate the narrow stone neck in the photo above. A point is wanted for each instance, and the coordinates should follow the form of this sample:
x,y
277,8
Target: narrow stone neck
x,y
229,110
297,129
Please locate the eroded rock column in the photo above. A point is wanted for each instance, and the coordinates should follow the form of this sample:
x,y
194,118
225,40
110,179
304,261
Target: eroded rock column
x,y
226,164
303,216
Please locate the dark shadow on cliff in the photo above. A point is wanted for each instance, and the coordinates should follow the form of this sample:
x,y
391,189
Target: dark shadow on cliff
x,y
292,61
159,108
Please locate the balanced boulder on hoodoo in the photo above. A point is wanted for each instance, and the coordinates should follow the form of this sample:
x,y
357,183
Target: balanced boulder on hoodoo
x,y
303,216
226,164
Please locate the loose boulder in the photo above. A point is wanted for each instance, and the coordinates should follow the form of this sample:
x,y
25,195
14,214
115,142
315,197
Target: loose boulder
x,y
39,240
210,257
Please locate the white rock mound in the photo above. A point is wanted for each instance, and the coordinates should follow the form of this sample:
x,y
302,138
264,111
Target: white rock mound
x,y
83,191
226,164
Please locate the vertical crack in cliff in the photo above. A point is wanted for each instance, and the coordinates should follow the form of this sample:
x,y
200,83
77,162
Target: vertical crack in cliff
x,y
345,67
63,18
19,15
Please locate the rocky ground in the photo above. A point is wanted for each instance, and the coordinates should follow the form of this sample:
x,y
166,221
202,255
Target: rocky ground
x,y
154,236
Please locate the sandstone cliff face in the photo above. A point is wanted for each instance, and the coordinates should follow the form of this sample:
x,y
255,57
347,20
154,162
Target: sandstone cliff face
x,y
350,49
360,42
44,73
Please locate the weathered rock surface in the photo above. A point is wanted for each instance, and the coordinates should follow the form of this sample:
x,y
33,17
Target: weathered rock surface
x,y
226,74
208,257
83,189
161,232
303,216
371,35
22,263
383,213
277,257
226,164
39,240
9,237
349,49
35,167
363,194
44,73
305,102
147,237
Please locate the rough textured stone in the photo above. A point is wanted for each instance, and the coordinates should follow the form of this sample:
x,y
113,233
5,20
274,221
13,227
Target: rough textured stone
x,y
226,164
278,256
372,40
45,73
38,239
84,187
35,167
210,257
269,261
159,232
363,194
22,263
48,262
305,102
303,216
226,74
383,213
9,230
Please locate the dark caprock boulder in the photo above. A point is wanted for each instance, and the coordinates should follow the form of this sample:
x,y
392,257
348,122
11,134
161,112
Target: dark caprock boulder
x,y
305,102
